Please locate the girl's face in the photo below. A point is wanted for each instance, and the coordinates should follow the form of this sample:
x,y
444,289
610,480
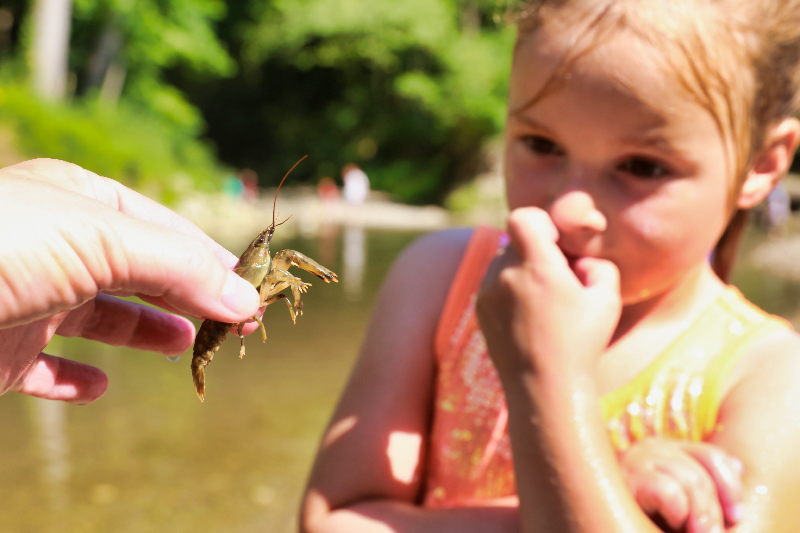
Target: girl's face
x,y
628,168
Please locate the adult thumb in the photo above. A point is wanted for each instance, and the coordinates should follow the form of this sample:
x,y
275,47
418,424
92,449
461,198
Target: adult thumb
x,y
54,378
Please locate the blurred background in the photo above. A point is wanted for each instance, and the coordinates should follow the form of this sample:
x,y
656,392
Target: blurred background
x,y
204,105
143,90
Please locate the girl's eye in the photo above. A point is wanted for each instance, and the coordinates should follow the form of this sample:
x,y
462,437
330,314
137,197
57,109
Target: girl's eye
x,y
541,145
643,168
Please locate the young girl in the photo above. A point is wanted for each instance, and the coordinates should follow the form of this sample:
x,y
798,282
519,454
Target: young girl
x,y
628,380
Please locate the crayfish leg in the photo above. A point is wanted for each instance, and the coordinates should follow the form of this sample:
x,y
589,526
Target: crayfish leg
x,y
278,284
241,338
275,297
263,331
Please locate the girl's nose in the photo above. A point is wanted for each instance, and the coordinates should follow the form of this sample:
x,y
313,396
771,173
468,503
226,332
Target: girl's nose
x,y
575,212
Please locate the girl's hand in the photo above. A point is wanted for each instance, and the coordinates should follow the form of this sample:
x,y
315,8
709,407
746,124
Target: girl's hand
x,y
692,486
537,308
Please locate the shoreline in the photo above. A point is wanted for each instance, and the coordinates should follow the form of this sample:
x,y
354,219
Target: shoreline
x,y
231,220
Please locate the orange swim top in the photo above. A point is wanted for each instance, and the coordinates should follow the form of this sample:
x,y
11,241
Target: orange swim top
x,y
678,395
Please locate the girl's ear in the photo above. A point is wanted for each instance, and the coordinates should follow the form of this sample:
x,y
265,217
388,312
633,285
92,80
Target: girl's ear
x,y
771,163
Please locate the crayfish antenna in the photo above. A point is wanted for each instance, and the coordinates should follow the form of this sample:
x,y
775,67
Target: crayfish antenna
x,y
275,201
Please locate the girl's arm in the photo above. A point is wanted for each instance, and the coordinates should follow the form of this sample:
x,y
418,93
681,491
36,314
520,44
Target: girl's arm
x,y
759,422
546,328
369,469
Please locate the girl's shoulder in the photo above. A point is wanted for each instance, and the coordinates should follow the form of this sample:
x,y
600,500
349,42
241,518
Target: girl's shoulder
x,y
418,283
774,355
431,262
435,261
445,246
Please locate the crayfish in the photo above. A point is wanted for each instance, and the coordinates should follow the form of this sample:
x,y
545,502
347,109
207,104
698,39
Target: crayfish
x,y
269,276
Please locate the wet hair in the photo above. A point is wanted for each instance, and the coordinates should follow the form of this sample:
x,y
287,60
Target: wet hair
x,y
738,59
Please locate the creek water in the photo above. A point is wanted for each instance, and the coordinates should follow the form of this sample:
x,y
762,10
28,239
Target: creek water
x,y
149,457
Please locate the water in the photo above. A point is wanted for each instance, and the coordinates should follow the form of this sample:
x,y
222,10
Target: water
x,y
774,294
149,457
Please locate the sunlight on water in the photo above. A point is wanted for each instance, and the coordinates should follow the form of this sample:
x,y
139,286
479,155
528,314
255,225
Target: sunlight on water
x,y
149,457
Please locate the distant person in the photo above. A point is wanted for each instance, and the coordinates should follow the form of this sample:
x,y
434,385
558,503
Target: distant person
x,y
70,241
587,371
327,191
328,194
249,179
233,187
779,208
356,185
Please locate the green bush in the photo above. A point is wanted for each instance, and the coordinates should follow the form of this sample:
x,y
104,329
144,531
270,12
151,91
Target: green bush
x,y
122,142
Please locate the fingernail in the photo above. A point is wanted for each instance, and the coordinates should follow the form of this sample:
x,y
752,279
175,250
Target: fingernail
x,y
239,296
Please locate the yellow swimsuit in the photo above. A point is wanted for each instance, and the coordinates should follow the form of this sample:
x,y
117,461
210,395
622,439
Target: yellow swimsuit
x,y
678,395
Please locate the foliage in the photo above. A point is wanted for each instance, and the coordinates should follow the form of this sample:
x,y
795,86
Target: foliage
x,y
146,137
141,151
146,37
409,90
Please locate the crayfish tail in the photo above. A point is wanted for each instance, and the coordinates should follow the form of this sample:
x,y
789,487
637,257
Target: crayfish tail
x,y
208,340
199,377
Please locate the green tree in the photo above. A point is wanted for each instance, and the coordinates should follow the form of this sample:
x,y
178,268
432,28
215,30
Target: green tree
x,y
409,90
123,119
143,38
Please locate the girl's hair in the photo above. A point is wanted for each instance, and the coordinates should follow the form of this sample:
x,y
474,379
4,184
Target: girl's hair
x,y
738,59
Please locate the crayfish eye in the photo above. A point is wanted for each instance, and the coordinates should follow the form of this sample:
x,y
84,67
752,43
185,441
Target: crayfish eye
x,y
260,240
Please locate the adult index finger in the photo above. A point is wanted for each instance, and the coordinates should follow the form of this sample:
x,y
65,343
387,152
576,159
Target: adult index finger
x,y
87,248
158,262
74,178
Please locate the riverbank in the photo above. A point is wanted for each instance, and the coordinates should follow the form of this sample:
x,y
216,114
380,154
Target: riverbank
x,y
230,220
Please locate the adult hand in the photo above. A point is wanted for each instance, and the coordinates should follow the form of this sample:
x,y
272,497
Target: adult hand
x,y
537,308
70,241
693,486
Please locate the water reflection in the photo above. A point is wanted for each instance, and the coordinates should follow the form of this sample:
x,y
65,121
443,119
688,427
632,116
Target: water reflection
x,y
149,457
355,259
328,236
49,419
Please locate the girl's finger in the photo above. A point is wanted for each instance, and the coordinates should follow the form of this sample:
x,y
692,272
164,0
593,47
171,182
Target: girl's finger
x,y
705,511
595,272
726,473
533,235
53,378
660,494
